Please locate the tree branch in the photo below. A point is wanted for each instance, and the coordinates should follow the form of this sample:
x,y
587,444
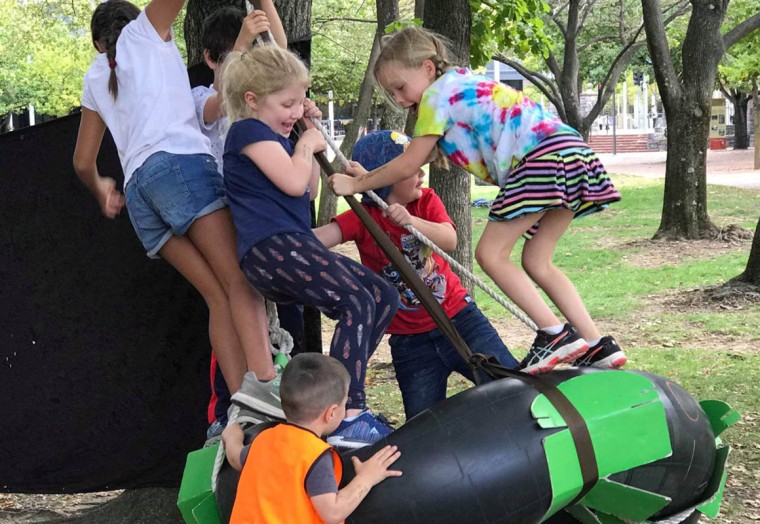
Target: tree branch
x,y
348,19
723,89
659,51
542,82
586,11
685,7
551,62
741,30
596,40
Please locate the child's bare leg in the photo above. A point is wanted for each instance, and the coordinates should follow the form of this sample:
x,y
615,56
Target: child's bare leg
x,y
214,236
492,253
181,253
537,258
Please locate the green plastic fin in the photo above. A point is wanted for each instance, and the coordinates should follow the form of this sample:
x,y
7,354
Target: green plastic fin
x,y
720,414
564,470
582,514
717,484
628,429
605,518
196,500
624,501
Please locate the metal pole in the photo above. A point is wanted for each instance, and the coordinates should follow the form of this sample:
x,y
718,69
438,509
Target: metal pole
x,y
614,123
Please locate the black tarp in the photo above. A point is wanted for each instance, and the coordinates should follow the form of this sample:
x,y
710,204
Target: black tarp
x,y
104,353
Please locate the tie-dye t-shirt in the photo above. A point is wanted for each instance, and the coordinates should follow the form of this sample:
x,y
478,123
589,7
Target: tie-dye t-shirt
x,y
486,127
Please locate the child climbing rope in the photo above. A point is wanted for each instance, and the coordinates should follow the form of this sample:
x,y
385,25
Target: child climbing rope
x,y
423,357
138,88
268,181
547,175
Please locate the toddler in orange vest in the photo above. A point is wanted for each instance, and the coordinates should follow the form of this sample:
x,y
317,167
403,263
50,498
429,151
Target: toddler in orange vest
x,y
294,474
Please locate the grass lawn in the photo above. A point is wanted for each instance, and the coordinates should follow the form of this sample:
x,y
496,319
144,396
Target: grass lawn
x,y
652,296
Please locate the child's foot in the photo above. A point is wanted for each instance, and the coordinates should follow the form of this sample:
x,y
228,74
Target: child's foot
x,y
549,350
214,432
605,354
362,430
263,397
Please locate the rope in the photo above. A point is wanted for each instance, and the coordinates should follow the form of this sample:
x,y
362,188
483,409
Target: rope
x,y
422,238
280,341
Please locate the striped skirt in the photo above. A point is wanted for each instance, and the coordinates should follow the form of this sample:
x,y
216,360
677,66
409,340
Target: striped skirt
x,y
561,172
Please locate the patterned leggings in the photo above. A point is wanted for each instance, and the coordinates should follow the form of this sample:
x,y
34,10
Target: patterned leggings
x,y
296,267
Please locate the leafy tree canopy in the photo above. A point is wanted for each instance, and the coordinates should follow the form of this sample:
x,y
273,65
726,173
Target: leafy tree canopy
x,y
45,50
516,25
741,63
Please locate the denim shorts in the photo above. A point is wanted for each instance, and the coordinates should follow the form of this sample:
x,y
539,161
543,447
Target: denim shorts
x,y
168,193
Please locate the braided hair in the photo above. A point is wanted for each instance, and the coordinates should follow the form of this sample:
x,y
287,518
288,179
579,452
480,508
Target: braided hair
x,y
107,22
411,46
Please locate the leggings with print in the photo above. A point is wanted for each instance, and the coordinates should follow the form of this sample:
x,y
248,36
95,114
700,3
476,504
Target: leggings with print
x,y
296,267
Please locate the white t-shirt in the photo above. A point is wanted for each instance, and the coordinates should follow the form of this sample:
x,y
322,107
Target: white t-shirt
x,y
154,110
215,131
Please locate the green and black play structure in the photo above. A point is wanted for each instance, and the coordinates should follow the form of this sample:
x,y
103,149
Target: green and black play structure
x,y
503,453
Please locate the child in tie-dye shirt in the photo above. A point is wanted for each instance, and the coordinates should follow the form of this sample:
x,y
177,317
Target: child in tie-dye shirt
x,y
546,173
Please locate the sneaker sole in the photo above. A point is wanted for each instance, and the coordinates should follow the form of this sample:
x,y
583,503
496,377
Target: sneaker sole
x,y
566,353
254,404
347,443
615,361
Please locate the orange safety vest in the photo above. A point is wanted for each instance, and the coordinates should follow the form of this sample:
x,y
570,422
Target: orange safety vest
x,y
272,486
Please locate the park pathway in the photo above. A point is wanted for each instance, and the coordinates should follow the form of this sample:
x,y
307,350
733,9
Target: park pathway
x,y
724,167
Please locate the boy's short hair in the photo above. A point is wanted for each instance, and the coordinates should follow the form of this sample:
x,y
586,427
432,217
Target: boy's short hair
x,y
220,31
376,149
311,383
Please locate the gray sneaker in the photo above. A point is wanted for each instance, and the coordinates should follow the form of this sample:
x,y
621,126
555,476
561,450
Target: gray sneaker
x,y
261,397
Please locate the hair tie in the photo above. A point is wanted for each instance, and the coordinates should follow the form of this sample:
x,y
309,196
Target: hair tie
x,y
112,63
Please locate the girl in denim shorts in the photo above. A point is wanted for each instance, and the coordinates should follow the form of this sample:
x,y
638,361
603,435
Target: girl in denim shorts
x,y
138,88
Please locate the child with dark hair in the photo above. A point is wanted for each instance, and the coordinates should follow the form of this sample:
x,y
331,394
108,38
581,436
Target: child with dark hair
x,y
289,474
225,30
138,88
422,355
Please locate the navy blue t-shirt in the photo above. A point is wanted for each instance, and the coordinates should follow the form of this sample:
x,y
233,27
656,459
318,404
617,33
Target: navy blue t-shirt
x,y
259,208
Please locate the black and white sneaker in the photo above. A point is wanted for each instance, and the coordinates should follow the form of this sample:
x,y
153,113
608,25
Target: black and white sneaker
x,y
549,350
605,354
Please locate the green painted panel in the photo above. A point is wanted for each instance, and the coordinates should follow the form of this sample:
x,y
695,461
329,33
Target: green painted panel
x,y
720,415
624,501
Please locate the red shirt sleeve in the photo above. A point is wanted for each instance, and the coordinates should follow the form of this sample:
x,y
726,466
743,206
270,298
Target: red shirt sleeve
x,y
430,207
350,225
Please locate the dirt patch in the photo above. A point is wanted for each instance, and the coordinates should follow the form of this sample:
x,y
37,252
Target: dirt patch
x,y
658,253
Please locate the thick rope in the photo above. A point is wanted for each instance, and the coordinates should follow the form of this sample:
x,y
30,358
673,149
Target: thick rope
x,y
280,341
422,238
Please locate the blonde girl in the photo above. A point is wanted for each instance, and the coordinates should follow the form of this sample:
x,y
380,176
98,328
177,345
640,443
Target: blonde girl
x,y
547,175
138,88
269,180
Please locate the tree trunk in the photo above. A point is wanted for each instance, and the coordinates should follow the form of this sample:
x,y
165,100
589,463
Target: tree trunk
x,y
751,274
452,19
756,118
684,207
740,101
197,11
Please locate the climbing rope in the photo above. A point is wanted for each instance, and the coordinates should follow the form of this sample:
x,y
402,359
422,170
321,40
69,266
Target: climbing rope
x,y
422,238
280,341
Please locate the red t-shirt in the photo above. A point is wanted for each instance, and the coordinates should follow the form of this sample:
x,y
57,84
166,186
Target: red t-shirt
x,y
411,317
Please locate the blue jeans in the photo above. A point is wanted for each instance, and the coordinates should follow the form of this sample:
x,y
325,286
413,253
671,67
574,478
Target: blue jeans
x,y
168,193
423,362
